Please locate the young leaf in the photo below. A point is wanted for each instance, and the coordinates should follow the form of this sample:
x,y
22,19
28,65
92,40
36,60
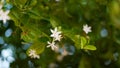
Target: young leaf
x,y
76,39
90,47
83,42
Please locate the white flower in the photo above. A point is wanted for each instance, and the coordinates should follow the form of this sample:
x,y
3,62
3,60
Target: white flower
x,y
58,37
32,54
56,34
86,29
4,16
52,45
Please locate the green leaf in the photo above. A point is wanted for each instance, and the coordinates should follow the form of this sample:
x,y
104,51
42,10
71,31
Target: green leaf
x,y
84,62
83,42
33,2
34,14
54,22
74,37
38,46
90,47
29,35
20,3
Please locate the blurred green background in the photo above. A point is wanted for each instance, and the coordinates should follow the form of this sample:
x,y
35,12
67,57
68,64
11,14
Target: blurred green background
x,y
30,24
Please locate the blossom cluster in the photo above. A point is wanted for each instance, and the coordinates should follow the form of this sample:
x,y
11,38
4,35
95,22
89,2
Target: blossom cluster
x,y
56,35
